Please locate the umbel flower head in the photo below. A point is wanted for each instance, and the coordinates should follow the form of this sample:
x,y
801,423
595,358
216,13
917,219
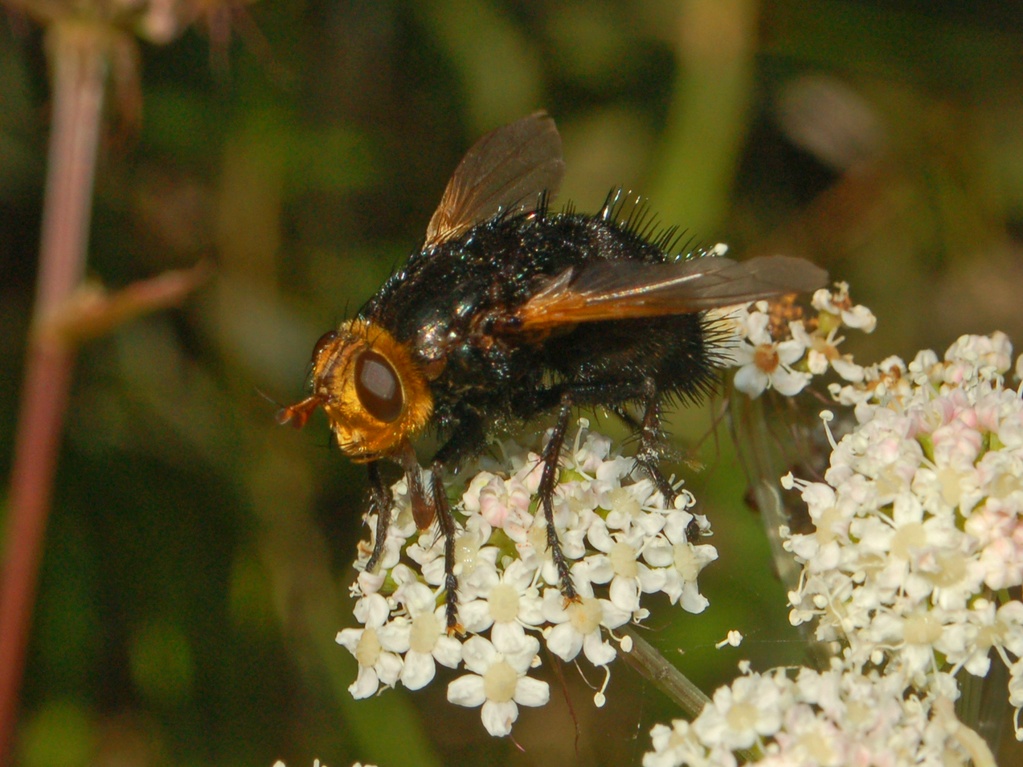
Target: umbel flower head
x,y
919,522
912,574
623,543
830,718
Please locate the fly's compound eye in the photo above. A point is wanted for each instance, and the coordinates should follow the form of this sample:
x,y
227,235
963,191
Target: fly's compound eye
x,y
378,388
324,341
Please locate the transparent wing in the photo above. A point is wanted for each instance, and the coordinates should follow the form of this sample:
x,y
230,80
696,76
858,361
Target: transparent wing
x,y
628,289
506,170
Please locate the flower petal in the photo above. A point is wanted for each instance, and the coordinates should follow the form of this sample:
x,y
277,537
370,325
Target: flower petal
x,y
532,692
467,691
418,671
499,717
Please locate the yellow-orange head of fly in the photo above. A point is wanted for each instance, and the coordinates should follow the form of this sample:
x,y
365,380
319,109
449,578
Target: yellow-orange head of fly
x,y
370,388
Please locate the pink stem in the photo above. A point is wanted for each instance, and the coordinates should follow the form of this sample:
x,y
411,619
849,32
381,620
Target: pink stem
x,y
79,57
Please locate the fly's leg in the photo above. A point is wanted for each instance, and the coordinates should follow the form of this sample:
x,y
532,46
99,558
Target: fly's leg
x,y
648,456
468,439
548,481
429,504
381,501
648,430
447,529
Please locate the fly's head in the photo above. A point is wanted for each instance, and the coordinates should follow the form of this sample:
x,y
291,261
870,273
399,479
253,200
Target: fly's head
x,y
373,392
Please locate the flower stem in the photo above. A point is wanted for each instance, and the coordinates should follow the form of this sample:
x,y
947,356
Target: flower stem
x,y
649,662
79,57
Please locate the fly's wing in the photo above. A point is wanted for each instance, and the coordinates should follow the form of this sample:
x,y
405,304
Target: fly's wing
x,y
505,171
611,290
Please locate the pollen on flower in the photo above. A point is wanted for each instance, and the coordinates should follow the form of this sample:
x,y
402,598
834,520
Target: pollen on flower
x,y
536,536
467,549
625,502
742,716
907,539
686,561
921,629
765,357
779,346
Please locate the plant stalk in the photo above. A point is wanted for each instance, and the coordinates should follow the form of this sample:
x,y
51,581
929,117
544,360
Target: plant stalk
x,y
79,56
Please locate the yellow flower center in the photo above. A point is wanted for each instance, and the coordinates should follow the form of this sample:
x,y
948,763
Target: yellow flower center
x,y
368,650
766,358
585,615
504,603
623,560
499,682
425,632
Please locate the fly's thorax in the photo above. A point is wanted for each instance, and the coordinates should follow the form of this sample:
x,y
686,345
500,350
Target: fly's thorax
x,y
373,392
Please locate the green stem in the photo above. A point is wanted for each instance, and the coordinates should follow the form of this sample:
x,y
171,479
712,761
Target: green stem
x,y
715,48
79,57
649,662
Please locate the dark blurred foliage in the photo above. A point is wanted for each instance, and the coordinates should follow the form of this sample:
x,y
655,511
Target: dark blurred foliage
x,y
198,556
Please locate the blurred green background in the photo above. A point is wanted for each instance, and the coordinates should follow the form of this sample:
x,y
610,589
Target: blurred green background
x,y
198,556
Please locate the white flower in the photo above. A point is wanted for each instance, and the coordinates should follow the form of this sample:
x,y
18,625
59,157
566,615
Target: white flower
x,y
764,362
640,503
619,540
379,662
503,503
840,305
498,682
400,528
618,562
680,562
739,715
576,626
425,636
823,352
983,357
679,745
508,602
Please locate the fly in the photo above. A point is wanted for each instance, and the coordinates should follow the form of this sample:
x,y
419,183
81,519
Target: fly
x,y
510,310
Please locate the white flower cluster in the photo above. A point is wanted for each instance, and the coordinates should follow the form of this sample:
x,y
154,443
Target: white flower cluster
x,y
831,718
919,523
914,568
620,539
780,350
